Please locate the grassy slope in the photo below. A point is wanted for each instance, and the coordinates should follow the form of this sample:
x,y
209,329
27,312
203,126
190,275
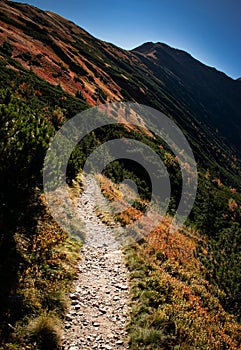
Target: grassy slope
x,y
63,54
38,260
174,306
33,317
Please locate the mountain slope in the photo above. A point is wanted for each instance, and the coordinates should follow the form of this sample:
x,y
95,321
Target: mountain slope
x,y
204,102
200,88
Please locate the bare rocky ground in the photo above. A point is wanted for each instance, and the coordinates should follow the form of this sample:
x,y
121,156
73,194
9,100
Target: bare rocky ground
x,y
99,309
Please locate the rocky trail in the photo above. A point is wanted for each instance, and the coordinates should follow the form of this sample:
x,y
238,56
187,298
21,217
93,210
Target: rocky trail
x,y
99,309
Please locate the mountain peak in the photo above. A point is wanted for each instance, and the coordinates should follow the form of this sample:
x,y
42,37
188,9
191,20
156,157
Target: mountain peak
x,y
149,45
159,46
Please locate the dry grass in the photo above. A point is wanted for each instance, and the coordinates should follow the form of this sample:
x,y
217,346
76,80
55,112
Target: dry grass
x,y
45,331
173,300
49,265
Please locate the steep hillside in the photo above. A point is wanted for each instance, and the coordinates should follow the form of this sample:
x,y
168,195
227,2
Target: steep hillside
x,y
204,102
213,97
58,51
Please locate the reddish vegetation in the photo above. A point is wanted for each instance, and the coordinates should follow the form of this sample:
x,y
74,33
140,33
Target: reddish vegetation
x,y
175,245
186,297
44,61
183,294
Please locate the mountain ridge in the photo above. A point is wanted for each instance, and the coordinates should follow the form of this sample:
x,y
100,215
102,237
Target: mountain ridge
x,y
199,98
152,45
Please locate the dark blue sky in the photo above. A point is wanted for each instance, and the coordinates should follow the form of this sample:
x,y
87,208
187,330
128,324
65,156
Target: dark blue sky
x,y
210,30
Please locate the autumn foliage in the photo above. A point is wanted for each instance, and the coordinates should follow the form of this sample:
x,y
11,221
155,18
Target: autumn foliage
x,y
171,295
174,305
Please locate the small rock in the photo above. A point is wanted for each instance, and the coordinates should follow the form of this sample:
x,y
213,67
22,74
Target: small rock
x,y
102,310
72,296
68,317
122,286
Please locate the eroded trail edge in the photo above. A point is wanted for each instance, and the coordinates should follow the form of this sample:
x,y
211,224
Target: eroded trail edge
x,y
98,314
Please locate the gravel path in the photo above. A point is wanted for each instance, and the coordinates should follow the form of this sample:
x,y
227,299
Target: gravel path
x,y
99,308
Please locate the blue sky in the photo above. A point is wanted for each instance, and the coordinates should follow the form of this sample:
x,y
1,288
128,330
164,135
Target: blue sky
x,y
210,30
